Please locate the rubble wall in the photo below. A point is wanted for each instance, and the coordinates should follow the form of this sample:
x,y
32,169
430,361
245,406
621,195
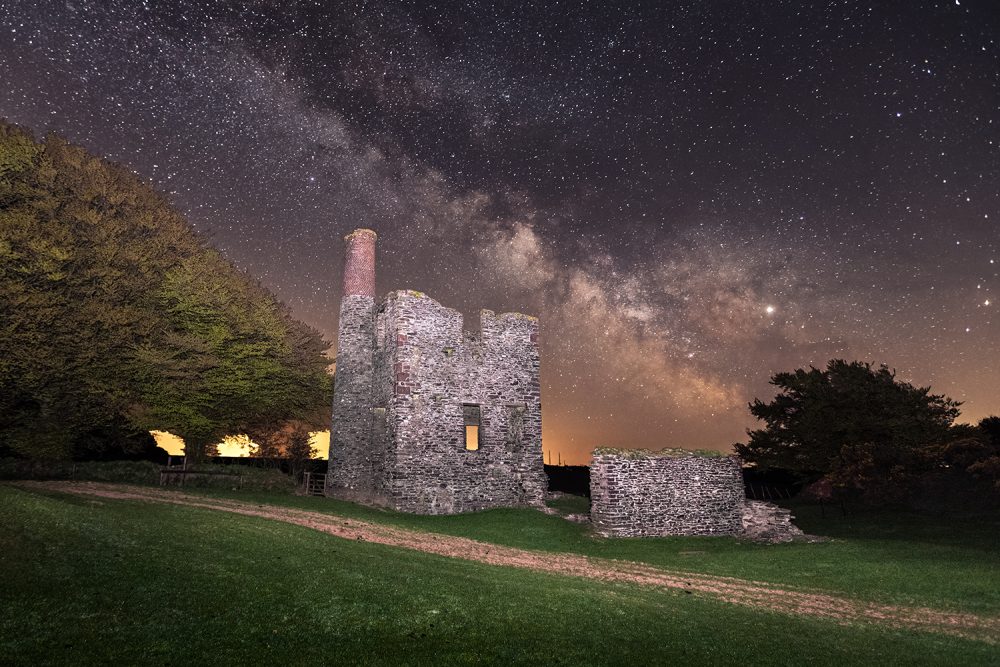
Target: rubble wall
x,y
436,369
644,494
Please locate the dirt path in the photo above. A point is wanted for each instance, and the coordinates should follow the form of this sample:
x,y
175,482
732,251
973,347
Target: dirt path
x,y
736,591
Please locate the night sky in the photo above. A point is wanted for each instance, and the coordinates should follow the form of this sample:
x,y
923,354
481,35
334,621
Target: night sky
x,y
690,195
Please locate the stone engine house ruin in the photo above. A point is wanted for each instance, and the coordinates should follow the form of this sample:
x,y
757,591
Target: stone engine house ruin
x,y
428,418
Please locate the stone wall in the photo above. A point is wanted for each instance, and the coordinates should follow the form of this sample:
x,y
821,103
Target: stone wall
x,y
436,370
351,471
644,494
408,377
356,467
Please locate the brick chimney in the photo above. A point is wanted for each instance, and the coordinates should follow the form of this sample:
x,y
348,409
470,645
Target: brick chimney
x,y
359,264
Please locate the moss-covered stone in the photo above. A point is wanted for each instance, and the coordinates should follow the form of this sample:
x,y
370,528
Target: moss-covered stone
x,y
673,452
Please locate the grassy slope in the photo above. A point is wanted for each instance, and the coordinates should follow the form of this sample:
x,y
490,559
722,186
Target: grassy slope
x,y
93,582
897,558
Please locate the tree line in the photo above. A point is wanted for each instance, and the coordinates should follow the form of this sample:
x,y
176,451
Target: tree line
x,y
117,318
853,429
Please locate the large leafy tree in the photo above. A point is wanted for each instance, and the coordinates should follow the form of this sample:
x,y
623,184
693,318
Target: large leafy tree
x,y
114,311
852,423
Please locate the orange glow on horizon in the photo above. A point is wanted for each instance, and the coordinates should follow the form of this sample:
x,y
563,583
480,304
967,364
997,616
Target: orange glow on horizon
x,y
237,446
570,446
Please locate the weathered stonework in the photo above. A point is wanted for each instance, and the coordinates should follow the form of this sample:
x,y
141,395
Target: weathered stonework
x,y
645,494
355,473
408,381
767,522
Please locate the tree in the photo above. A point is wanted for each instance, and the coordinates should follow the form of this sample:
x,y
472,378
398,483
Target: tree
x,y
271,440
990,427
278,440
75,264
236,356
852,424
300,449
115,314
985,463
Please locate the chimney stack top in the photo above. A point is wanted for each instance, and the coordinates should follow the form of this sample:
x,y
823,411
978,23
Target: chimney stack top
x,y
359,263
361,232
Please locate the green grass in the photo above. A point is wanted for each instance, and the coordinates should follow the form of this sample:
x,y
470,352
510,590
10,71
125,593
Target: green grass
x,y
90,581
570,504
899,558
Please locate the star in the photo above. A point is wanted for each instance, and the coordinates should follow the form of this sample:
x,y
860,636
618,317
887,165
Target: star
x,y
647,203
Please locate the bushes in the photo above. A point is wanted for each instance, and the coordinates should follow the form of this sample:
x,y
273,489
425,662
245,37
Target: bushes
x,y
131,472
237,476
146,472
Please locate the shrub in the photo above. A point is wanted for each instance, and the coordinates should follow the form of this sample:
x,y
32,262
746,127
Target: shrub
x,y
147,472
131,472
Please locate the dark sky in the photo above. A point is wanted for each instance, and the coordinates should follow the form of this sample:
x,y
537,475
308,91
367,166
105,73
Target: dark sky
x,y
691,195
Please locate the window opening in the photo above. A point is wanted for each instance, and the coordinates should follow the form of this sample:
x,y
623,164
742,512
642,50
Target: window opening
x,y
472,416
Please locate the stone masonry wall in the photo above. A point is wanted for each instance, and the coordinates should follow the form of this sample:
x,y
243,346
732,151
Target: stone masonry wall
x,y
436,369
351,472
645,494
355,469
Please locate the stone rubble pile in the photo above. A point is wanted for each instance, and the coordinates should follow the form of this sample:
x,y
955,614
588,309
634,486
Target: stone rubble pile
x,y
766,522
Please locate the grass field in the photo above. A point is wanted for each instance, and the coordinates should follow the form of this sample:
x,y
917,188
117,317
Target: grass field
x,y
894,557
91,582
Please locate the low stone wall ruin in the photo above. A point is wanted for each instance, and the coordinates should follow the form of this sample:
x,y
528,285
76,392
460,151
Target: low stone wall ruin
x,y
638,493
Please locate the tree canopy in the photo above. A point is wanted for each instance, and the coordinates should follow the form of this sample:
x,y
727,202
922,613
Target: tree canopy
x,y
856,426
113,310
818,413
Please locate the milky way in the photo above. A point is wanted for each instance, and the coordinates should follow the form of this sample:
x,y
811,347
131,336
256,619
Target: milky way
x,y
691,196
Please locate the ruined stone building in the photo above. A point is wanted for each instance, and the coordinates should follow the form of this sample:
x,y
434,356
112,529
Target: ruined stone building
x,y
637,493
428,418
